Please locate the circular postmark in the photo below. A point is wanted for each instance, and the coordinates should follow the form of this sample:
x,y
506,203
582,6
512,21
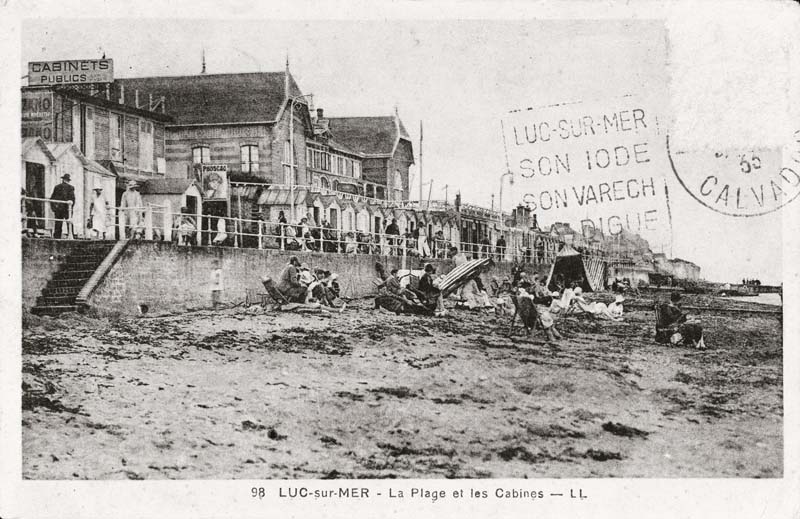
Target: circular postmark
x,y
740,182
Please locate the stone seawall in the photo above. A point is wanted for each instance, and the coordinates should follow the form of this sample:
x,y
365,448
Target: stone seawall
x,y
168,278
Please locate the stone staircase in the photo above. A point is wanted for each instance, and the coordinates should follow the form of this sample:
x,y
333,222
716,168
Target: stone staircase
x,y
60,293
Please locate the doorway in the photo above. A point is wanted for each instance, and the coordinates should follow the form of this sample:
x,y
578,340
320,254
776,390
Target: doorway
x,y
34,188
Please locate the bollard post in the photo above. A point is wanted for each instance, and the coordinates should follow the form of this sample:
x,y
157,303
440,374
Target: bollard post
x,y
148,223
168,217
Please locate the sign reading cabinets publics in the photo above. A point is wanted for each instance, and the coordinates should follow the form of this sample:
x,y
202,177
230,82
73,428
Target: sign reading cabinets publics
x,y
70,72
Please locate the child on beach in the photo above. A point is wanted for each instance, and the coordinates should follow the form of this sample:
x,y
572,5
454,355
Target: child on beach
x,y
216,283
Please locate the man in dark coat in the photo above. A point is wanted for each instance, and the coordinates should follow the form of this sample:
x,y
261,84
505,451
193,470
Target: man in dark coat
x,y
393,230
63,192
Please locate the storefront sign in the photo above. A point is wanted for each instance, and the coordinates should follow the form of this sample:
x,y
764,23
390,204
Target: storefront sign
x,y
214,178
70,72
37,114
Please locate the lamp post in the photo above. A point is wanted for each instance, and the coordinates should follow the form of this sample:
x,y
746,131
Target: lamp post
x,y
293,100
500,201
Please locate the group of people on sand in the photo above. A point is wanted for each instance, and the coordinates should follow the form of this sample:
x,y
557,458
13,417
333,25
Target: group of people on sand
x,y
529,297
398,297
299,284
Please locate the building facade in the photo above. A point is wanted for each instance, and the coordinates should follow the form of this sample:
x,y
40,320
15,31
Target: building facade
x,y
386,149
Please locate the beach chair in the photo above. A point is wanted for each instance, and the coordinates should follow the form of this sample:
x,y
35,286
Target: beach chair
x,y
273,292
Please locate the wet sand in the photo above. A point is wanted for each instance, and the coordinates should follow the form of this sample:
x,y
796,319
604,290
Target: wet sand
x,y
367,394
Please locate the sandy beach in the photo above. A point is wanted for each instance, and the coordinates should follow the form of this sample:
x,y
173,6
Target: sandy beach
x,y
367,394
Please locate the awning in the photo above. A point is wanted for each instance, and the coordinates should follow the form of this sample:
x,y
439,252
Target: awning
x,y
282,197
246,191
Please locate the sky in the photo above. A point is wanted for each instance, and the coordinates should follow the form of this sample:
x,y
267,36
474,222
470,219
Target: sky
x,y
459,79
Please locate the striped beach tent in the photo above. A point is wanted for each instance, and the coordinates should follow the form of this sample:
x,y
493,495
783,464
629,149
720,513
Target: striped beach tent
x,y
453,280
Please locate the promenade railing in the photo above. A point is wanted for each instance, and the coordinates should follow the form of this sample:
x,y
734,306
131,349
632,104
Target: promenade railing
x,y
157,222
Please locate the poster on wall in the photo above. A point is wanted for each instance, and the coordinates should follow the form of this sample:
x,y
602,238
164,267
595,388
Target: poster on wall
x,y
37,114
214,179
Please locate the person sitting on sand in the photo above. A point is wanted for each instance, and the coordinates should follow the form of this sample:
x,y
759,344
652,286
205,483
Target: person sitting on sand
x,y
596,310
433,296
473,294
544,318
562,302
675,327
289,282
615,309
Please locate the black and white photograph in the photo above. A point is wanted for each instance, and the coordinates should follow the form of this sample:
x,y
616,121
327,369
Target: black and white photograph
x,y
410,247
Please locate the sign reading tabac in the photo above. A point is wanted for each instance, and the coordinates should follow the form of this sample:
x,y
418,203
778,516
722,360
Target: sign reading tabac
x,y
600,167
70,72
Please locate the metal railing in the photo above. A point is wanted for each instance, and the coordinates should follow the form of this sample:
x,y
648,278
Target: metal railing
x,y
155,222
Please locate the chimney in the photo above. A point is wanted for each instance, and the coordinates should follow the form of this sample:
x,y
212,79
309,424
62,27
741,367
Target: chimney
x,y
320,114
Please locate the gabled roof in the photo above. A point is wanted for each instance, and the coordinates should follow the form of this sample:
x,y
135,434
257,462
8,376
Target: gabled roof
x,y
369,135
219,98
60,148
29,143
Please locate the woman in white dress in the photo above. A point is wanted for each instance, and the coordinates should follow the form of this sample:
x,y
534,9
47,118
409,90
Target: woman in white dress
x,y
99,212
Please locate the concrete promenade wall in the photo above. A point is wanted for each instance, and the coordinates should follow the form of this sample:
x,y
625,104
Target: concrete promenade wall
x,y
41,258
168,278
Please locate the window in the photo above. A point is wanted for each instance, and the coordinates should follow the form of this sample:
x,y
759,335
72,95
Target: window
x,y
340,165
287,152
356,169
324,183
249,158
146,145
201,155
288,178
349,164
336,185
370,191
87,128
115,136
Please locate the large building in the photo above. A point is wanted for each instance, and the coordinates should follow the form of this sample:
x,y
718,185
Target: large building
x,y
239,120
242,122
99,134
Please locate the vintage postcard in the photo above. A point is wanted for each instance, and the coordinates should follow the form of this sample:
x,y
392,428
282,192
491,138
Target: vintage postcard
x,y
526,259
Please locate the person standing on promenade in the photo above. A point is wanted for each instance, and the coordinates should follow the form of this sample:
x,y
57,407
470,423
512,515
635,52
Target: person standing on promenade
x,y
131,204
394,232
501,248
63,193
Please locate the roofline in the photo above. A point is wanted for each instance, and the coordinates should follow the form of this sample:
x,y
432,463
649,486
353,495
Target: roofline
x,y
220,124
38,141
111,105
201,75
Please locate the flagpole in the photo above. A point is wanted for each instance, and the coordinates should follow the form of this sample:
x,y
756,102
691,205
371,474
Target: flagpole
x,y
420,164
